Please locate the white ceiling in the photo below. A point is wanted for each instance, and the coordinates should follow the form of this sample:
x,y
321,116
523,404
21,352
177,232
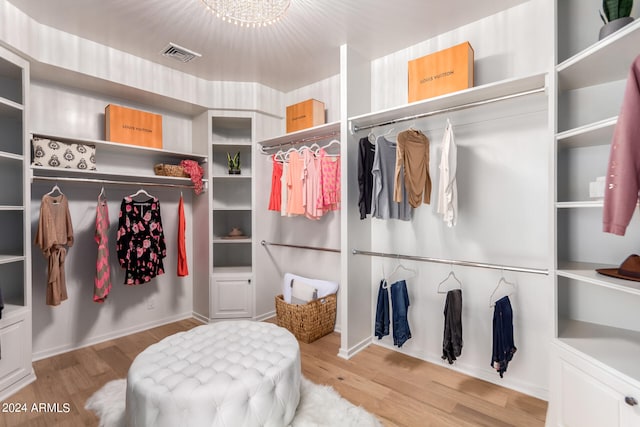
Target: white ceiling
x,y
300,49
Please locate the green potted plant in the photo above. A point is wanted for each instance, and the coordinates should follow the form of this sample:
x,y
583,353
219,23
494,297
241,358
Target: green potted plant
x,y
234,163
615,14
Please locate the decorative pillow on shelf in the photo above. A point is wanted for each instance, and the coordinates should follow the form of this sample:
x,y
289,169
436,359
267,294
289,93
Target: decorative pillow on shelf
x,y
58,154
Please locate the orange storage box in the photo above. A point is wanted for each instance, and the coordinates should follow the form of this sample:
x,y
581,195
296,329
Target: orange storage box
x,y
133,127
304,115
442,72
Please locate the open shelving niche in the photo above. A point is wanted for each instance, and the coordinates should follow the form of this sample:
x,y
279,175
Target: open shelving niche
x,y
594,311
121,162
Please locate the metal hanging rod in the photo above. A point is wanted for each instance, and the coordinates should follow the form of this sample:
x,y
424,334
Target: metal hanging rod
x,y
313,248
356,128
453,262
299,141
110,181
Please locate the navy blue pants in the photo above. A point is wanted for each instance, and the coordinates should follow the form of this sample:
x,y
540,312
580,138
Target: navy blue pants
x,y
503,345
399,307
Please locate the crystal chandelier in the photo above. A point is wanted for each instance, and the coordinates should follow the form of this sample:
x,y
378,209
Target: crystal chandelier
x,y
248,13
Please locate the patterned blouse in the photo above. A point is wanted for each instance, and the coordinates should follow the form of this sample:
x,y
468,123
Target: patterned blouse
x,y
140,243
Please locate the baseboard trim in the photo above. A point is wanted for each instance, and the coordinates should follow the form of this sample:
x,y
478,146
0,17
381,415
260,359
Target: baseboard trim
x,y
106,337
349,353
265,316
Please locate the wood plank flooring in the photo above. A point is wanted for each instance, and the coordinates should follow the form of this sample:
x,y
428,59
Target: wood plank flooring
x,y
400,390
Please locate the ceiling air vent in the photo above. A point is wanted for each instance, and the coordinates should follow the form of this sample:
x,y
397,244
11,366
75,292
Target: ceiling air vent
x,y
179,53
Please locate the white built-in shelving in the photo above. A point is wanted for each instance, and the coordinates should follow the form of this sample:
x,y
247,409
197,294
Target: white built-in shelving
x,y
597,333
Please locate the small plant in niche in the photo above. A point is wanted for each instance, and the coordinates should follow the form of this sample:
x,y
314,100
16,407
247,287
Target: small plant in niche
x,y
234,163
615,14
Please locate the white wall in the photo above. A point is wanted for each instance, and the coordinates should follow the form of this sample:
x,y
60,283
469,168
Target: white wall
x,y
79,321
503,170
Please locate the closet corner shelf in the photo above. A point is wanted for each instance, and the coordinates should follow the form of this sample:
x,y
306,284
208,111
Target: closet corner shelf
x,y
10,109
604,61
230,208
124,149
589,135
11,208
7,259
231,143
227,271
477,94
11,156
606,345
586,272
223,240
581,204
10,311
301,135
228,176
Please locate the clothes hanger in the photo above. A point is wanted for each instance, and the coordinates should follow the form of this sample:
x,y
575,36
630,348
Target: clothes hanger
x,y
54,189
398,267
372,138
329,144
288,152
101,195
279,156
139,192
511,285
449,276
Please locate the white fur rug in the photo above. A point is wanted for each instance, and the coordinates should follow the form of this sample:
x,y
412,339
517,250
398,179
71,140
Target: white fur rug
x,y
319,406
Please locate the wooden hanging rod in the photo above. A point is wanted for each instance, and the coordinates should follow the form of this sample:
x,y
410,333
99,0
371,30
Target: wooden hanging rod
x,y
299,141
453,262
356,128
313,248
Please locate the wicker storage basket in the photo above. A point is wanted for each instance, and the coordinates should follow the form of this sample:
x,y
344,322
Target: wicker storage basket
x,y
310,321
169,170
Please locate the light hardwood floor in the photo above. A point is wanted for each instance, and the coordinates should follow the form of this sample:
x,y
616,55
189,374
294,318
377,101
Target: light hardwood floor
x,y
400,390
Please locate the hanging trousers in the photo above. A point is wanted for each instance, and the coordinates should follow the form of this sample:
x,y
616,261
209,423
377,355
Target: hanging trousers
x,y
503,345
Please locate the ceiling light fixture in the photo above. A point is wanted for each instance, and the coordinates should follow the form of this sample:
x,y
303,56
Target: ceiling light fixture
x,y
248,13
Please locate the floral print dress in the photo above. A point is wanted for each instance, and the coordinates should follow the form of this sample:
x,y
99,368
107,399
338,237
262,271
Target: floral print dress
x,y
140,243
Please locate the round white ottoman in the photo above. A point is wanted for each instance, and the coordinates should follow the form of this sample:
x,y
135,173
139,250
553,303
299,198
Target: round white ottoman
x,y
227,374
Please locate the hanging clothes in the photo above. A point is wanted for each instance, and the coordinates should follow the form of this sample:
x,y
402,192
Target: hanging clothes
x,y
366,155
400,309
54,236
447,185
329,181
183,268
452,337
140,244
412,165
284,192
503,344
275,198
311,186
623,172
383,205
102,281
382,311
295,188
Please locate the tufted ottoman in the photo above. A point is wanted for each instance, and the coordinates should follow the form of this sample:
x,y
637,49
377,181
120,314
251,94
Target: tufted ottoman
x,y
231,374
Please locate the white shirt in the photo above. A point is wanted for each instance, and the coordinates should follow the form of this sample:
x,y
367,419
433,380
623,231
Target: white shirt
x,y
447,187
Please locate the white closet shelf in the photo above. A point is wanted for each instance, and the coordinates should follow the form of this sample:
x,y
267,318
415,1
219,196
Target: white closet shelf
x,y
11,208
592,134
12,156
580,204
12,310
610,346
604,61
236,270
302,135
7,259
230,208
479,94
586,272
124,149
75,173
227,241
11,109
232,143
228,176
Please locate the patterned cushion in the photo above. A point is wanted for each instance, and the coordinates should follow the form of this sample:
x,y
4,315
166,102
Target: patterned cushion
x,y
227,374
58,154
